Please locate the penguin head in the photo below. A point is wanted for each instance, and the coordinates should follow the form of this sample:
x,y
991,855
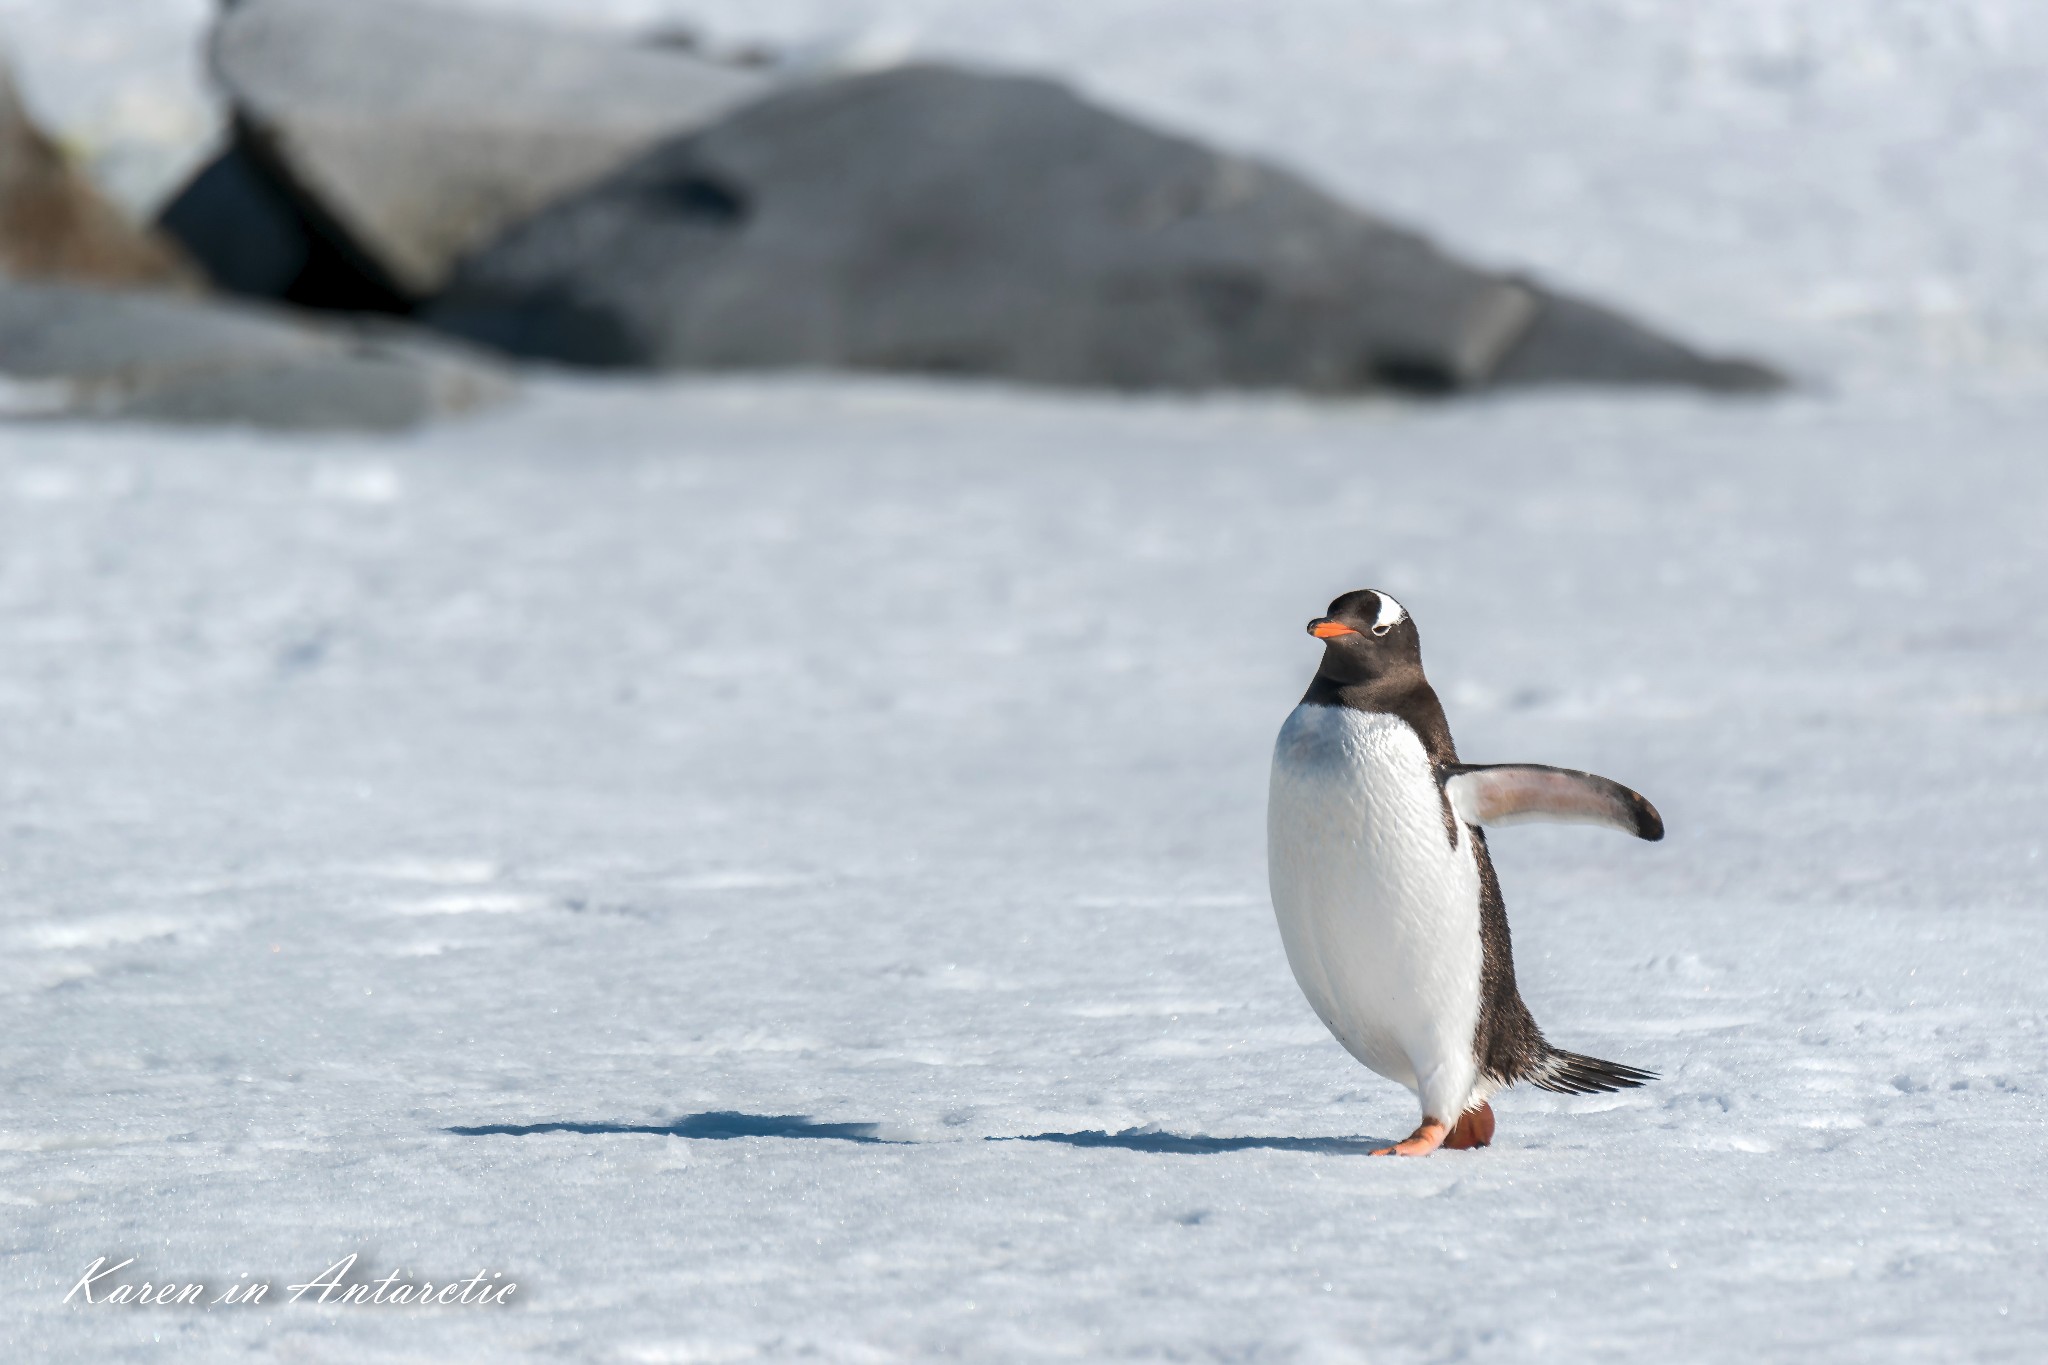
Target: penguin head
x,y
1367,634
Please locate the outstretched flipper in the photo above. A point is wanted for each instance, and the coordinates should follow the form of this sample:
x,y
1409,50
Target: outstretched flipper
x,y
1523,793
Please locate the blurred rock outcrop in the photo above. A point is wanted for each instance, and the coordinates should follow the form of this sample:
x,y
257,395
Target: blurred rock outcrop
x,y
575,196
376,140
73,351
55,225
933,219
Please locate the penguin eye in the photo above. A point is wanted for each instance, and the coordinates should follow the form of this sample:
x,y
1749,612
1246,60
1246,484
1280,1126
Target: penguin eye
x,y
1390,614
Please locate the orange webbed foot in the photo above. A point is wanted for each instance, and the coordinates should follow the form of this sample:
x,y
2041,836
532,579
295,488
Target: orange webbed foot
x,y
1421,1142
1474,1128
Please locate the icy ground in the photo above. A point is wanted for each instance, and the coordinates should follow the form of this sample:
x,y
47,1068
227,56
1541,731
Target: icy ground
x,y
896,757
712,775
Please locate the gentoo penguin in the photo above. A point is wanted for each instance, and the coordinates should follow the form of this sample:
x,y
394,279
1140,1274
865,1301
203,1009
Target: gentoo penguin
x,y
1387,901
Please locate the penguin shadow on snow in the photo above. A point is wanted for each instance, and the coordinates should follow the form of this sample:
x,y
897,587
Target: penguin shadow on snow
x,y
716,1124
725,1124
1197,1144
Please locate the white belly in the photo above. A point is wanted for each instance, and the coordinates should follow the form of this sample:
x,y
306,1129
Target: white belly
x,y
1378,909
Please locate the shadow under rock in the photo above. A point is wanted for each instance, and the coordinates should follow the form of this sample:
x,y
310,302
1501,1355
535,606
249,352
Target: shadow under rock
x,y
717,1124
1148,1140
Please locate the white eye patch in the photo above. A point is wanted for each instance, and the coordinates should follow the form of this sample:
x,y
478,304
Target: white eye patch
x,y
1392,614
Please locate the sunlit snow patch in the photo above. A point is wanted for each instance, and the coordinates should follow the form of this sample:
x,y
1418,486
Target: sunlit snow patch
x,y
441,871
472,903
108,931
364,483
738,879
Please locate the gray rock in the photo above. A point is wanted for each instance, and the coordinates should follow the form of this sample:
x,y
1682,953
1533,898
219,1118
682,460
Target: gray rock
x,y
1571,341
72,351
55,225
408,134
935,219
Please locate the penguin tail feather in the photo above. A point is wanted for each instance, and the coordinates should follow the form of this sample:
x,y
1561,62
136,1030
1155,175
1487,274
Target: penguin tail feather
x,y
1573,1073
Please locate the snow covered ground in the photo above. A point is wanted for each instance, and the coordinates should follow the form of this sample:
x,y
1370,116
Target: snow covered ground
x,y
668,843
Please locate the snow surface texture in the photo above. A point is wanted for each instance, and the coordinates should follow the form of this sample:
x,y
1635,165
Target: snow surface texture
x,y
653,762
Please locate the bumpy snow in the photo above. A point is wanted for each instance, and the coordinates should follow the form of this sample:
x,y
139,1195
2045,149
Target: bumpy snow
x,y
774,867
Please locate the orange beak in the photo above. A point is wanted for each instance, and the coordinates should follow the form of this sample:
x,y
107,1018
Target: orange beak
x,y
1323,628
